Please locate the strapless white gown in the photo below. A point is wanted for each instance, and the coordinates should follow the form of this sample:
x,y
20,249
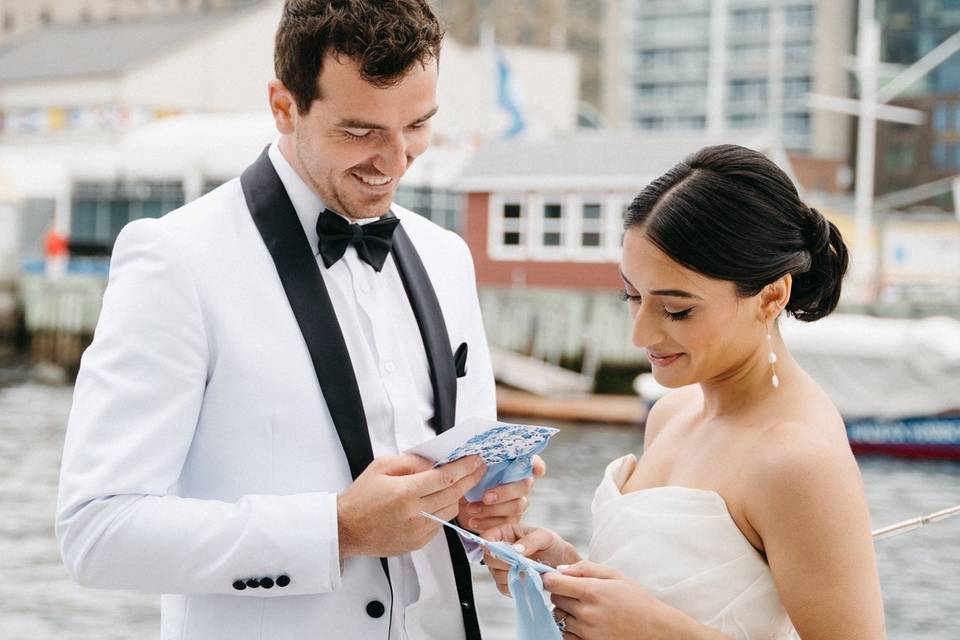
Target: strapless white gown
x,y
683,546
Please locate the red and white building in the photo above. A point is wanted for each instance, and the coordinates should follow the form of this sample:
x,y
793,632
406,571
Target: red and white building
x,y
549,213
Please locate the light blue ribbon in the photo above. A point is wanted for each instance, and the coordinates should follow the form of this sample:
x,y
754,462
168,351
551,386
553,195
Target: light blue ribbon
x,y
534,618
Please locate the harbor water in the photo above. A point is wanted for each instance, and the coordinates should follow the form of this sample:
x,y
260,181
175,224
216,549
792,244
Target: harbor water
x,y
920,570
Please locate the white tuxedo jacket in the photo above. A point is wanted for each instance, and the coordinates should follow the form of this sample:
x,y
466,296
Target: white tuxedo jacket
x,y
201,453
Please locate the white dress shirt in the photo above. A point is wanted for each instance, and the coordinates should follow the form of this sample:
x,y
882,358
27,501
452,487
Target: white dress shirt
x,y
392,371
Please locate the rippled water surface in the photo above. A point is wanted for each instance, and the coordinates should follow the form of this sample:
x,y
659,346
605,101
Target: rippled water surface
x,y
920,571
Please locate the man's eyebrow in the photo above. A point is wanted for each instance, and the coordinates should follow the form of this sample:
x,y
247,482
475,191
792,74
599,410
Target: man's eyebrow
x,y
672,293
349,123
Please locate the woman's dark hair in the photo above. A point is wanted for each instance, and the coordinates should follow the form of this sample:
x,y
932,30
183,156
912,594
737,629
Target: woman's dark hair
x,y
730,213
384,37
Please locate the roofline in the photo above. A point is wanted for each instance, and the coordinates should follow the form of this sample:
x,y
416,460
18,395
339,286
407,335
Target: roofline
x,y
228,18
493,184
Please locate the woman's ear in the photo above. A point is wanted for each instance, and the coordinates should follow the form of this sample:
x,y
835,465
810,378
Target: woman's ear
x,y
774,298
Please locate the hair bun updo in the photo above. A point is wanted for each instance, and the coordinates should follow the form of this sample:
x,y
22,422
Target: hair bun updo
x,y
731,213
816,291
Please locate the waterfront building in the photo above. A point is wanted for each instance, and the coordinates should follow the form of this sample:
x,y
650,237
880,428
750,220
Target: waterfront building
x,y
912,155
587,28
729,65
549,213
159,111
18,17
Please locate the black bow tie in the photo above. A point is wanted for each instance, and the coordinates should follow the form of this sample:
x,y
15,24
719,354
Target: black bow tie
x,y
372,240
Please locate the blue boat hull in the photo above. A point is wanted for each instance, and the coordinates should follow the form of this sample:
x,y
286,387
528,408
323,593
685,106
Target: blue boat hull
x,y
933,437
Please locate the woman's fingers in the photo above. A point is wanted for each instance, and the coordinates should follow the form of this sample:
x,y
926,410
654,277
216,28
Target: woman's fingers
x,y
563,585
587,569
534,541
570,606
566,622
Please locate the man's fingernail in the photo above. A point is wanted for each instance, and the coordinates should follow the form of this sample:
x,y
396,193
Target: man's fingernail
x,y
561,567
479,462
474,507
490,497
519,547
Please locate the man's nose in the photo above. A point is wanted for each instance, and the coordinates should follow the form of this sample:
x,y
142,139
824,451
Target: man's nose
x,y
392,158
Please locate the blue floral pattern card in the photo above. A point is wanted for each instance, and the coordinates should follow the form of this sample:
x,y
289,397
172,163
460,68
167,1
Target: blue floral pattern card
x,y
493,440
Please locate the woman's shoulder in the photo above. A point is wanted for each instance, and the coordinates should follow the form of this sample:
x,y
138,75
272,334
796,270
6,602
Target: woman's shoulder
x,y
803,460
669,407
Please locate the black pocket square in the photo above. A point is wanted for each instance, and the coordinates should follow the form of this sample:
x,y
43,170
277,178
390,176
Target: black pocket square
x,y
460,360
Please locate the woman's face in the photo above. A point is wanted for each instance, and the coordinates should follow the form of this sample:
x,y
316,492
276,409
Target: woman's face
x,y
694,328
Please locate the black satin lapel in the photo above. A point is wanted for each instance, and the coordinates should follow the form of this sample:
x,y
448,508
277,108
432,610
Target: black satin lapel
x,y
277,221
443,379
433,330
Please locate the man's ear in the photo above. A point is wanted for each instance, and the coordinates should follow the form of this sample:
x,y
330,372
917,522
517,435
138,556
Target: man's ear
x,y
774,298
282,106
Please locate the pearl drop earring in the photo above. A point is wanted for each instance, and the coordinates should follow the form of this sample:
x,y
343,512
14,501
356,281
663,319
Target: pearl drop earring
x,y
772,359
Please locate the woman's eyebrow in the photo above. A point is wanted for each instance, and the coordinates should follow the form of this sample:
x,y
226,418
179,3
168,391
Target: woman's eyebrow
x,y
672,293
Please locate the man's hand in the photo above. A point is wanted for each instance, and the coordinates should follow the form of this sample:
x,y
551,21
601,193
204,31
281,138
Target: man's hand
x,y
379,514
500,505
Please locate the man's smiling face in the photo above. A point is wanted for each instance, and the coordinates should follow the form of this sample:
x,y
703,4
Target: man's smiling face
x,y
357,140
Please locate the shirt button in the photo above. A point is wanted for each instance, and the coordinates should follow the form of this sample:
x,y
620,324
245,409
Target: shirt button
x,y
389,367
375,609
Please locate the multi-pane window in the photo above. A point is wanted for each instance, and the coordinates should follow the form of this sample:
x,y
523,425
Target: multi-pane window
x,y
747,54
100,210
557,226
798,52
552,224
591,234
941,114
439,205
750,19
801,16
512,224
797,87
746,120
940,155
796,123
751,90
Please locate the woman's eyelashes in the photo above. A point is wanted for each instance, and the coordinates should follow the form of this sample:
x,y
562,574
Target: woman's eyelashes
x,y
676,316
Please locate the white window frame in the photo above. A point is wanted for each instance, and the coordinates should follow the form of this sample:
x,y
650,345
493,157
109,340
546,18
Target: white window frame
x,y
538,204
579,251
496,249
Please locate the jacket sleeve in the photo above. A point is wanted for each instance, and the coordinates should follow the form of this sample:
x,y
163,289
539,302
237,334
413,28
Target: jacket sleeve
x,y
138,396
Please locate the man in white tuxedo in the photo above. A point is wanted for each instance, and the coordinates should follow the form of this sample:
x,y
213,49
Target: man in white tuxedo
x,y
265,353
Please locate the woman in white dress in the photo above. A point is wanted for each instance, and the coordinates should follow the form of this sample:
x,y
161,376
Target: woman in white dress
x,y
745,517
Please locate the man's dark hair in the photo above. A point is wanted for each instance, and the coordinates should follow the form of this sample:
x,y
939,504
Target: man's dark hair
x,y
384,37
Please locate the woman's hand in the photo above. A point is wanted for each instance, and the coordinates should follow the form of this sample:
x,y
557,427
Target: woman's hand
x,y
595,602
542,545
